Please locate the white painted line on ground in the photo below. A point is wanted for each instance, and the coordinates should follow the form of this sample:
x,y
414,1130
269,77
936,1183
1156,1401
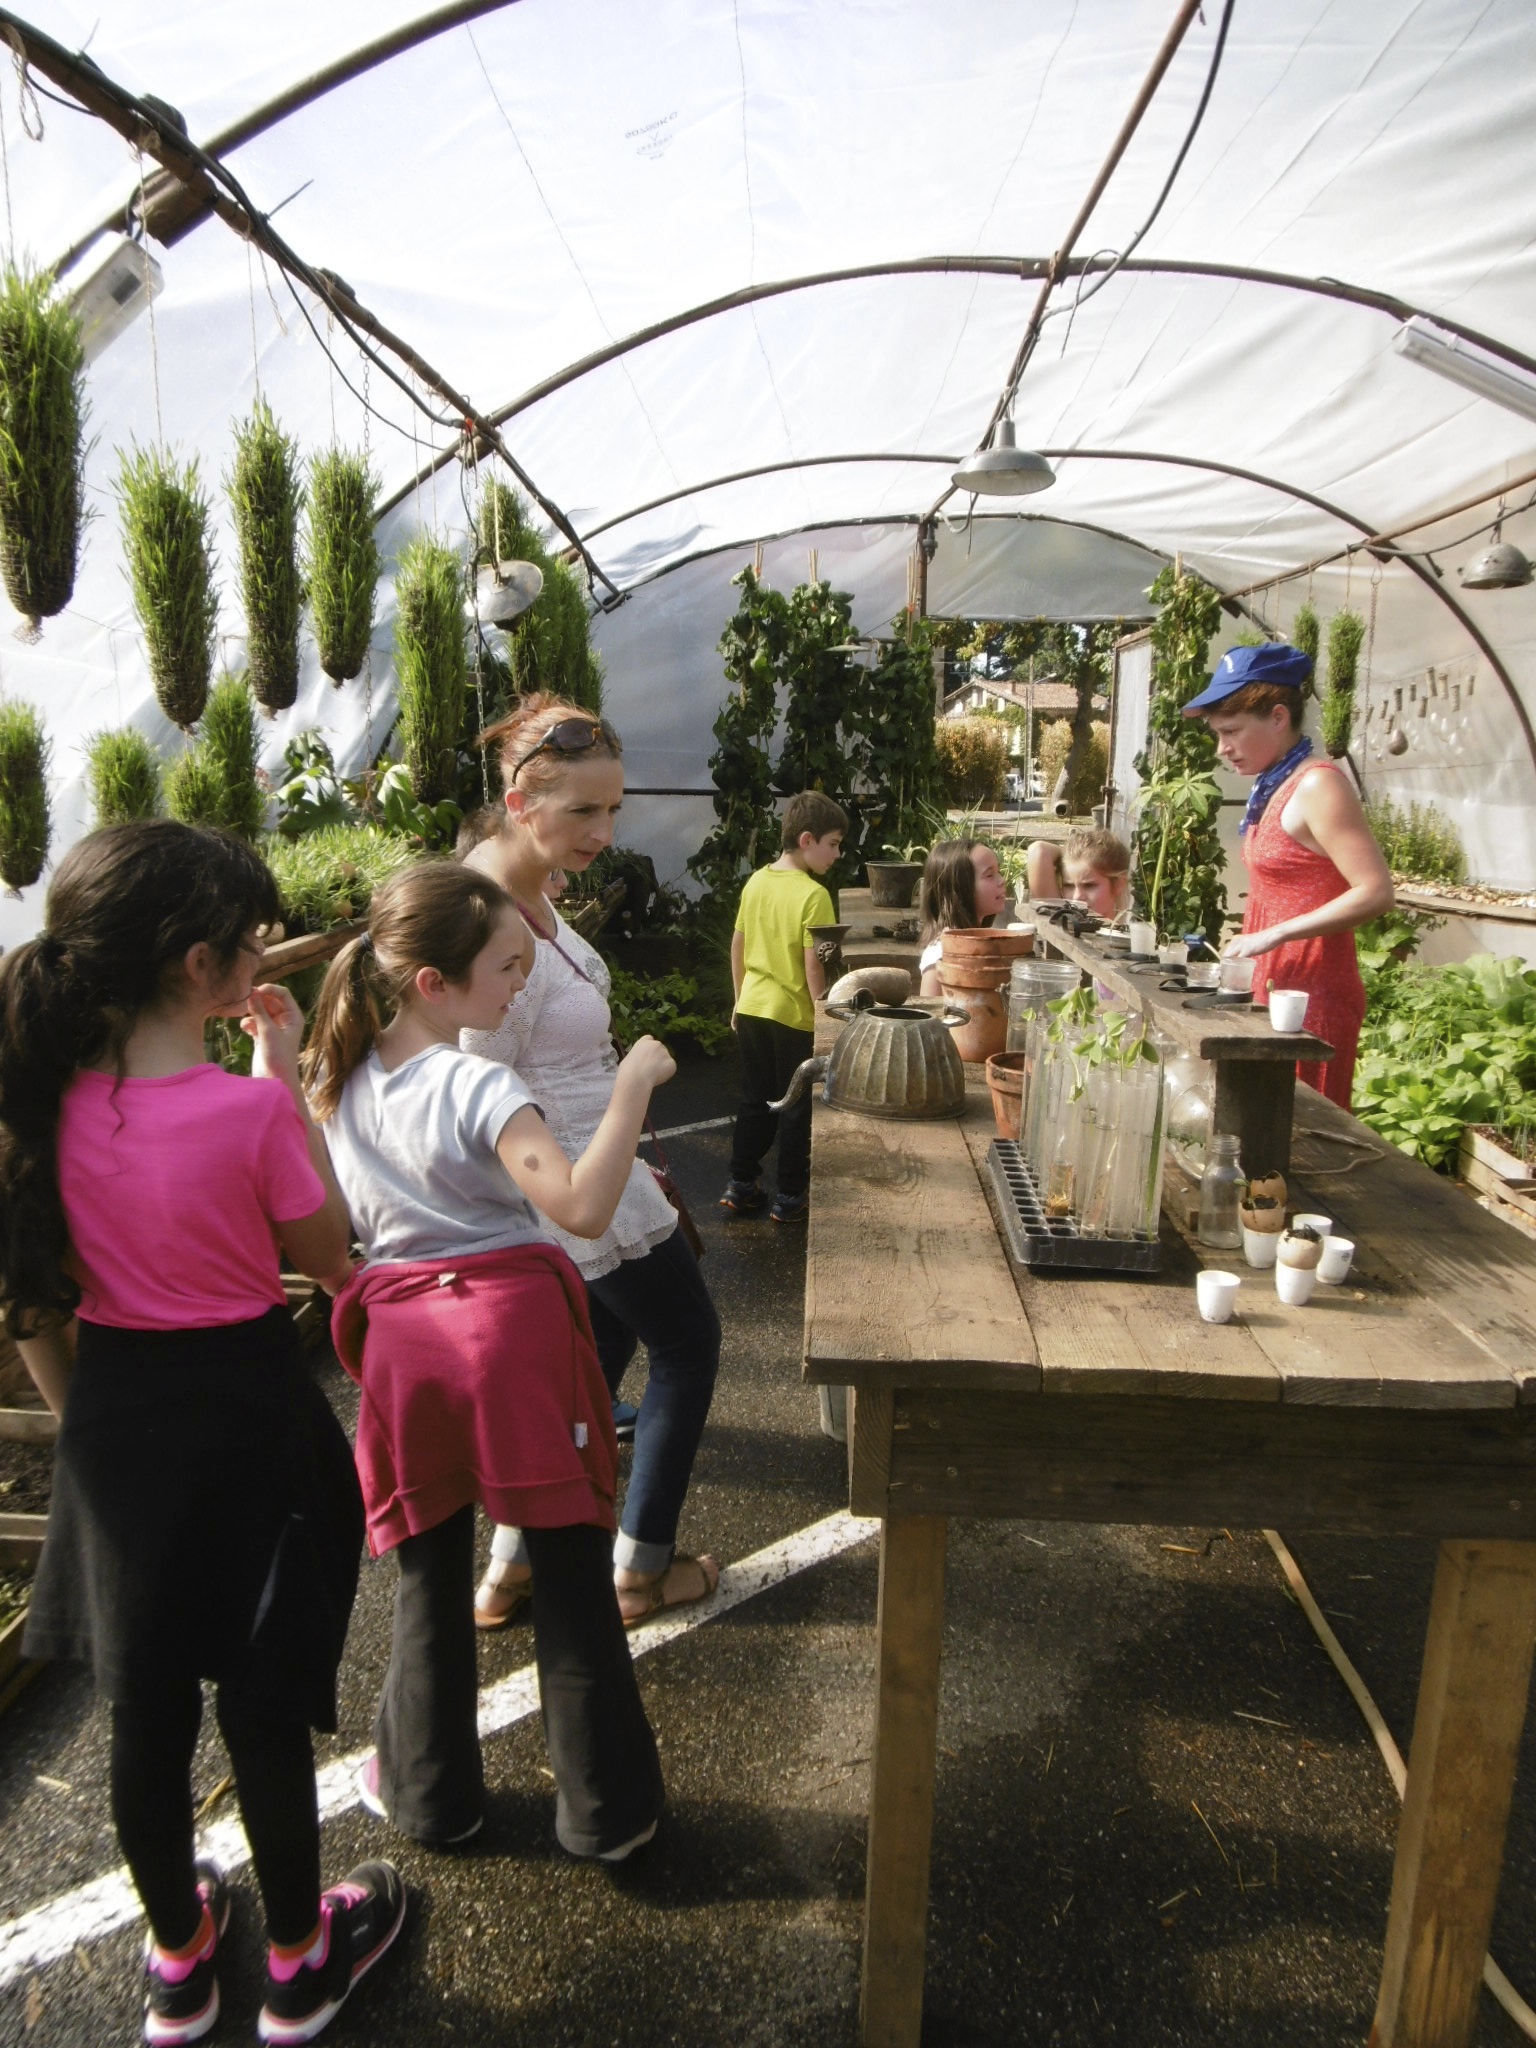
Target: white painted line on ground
x,y
92,1911
714,1123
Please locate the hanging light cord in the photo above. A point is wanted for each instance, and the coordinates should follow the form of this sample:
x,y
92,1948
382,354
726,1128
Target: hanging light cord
x,y
1505,1992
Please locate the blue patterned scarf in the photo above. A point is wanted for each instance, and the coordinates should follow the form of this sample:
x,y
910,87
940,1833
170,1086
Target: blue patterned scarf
x,y
1266,784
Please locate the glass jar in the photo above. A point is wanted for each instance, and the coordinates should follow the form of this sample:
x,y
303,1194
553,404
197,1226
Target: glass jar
x,y
1220,1189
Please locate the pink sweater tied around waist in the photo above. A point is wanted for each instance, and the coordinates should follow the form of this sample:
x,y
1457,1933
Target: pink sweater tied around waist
x,y
480,1382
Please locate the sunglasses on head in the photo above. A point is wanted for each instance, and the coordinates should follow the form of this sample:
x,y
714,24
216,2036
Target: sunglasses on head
x,y
570,736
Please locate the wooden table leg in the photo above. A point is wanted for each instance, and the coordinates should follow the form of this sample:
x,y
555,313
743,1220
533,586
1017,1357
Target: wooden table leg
x,y
901,1779
1450,1845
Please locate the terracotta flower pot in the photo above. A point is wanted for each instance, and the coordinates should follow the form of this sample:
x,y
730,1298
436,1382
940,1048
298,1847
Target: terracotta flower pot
x,y
987,1031
983,943
1005,1078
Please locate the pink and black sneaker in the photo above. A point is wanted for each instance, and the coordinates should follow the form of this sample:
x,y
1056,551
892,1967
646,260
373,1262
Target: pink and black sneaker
x,y
181,1999
359,1919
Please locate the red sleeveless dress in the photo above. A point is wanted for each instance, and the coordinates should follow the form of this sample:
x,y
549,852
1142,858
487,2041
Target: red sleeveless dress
x,y
1286,879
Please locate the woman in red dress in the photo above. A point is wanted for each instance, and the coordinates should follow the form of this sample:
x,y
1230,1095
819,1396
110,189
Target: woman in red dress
x,y
1315,872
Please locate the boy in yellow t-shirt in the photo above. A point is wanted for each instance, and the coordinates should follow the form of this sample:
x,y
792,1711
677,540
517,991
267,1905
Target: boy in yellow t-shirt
x,y
778,978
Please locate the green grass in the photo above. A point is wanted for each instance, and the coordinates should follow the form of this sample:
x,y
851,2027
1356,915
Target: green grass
x,y
170,567
25,824
122,772
329,875
266,497
42,444
341,562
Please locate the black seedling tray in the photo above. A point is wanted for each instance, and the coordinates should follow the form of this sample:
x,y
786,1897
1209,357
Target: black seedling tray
x,y
1036,1239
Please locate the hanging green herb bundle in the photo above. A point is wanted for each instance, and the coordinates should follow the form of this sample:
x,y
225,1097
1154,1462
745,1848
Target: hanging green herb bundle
x,y
170,565
25,825
1346,635
42,444
547,647
430,671
266,497
228,741
1306,635
193,791
123,776
341,561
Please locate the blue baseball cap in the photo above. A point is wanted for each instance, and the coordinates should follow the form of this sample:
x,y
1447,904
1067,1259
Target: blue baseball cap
x,y
1275,662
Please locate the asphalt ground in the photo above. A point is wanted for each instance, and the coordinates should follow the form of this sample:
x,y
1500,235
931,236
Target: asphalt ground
x,y
1159,1819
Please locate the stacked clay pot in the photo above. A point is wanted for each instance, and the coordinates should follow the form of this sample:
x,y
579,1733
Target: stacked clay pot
x,y
973,971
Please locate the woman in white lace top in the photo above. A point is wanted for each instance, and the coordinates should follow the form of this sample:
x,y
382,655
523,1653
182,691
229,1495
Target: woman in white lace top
x,y
564,781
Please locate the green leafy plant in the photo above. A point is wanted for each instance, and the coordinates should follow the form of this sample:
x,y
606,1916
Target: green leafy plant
x,y
341,559
429,664
26,825
266,497
1087,787
328,876
668,1006
1419,843
746,831
170,567
1176,857
392,793
973,758
42,444
547,647
900,768
1392,939
122,772
1346,636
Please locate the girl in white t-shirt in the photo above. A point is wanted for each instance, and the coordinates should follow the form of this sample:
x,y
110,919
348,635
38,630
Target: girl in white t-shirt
x,y
962,888
468,1332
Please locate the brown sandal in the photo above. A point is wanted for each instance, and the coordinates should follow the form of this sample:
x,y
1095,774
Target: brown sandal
x,y
700,1574
515,1592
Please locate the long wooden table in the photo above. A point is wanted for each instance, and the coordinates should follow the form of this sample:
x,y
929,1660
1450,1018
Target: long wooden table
x,y
1402,1403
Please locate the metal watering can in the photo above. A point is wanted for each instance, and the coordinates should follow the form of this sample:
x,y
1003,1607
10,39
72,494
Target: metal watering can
x,y
892,1060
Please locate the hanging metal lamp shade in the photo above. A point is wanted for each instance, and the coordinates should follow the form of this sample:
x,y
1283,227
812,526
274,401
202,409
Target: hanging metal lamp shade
x,y
504,593
1499,567
1004,471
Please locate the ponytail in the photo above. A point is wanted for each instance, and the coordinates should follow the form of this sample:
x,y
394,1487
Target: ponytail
x,y
436,914
125,906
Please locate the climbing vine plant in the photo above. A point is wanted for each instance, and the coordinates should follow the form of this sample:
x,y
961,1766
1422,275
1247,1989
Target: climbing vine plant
x,y
745,834
826,743
902,756
1176,858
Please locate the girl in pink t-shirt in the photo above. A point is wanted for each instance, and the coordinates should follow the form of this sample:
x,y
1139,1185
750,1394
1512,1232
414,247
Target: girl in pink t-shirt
x,y
204,1520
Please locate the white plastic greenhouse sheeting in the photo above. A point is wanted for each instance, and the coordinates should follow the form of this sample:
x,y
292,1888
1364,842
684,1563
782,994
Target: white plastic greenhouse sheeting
x,y
516,194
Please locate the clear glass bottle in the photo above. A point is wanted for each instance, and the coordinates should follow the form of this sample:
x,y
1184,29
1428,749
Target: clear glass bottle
x,y
1220,1187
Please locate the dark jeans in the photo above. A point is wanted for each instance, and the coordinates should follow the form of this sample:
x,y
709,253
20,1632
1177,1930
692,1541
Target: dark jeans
x,y
151,1781
607,1774
659,1301
770,1053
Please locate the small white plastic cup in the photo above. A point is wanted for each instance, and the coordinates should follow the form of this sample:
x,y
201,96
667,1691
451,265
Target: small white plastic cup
x,y
1287,1009
1333,1266
1143,939
1323,1225
1237,977
1217,1295
1294,1284
1203,974
1259,1247
1174,954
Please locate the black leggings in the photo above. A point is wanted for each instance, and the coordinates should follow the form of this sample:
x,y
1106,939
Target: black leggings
x,y
274,1769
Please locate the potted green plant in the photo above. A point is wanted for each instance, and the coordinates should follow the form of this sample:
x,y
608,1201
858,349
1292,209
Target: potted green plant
x,y
265,496
430,667
170,567
42,444
25,824
122,774
341,560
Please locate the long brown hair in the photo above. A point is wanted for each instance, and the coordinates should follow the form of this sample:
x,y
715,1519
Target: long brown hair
x,y
947,901
436,914
125,907
529,721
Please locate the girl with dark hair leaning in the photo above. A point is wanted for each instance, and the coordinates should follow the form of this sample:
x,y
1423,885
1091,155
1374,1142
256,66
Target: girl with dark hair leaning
x,y
205,1520
562,773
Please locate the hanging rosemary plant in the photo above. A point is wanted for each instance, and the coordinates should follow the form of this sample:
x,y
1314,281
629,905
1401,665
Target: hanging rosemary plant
x,y
430,670
1346,635
1306,634
123,776
266,496
42,444
341,560
216,782
170,565
25,825
547,647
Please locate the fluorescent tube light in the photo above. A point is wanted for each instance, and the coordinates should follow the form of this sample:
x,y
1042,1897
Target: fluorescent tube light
x,y
1466,364
114,295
